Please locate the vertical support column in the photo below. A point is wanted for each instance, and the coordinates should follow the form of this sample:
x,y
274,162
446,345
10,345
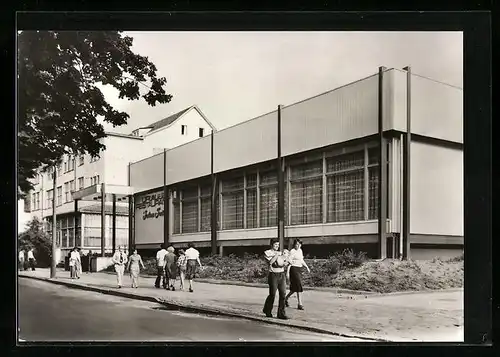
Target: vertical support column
x,y
382,187
75,228
103,219
221,250
166,222
281,187
406,169
130,223
113,232
213,206
54,227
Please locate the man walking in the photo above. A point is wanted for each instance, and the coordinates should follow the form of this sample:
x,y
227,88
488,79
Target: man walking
x,y
160,266
276,279
120,259
31,259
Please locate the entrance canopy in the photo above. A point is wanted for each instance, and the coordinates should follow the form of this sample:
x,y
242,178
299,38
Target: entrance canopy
x,y
94,193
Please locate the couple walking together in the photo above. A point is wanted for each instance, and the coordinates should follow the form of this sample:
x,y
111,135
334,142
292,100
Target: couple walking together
x,y
169,266
282,265
133,264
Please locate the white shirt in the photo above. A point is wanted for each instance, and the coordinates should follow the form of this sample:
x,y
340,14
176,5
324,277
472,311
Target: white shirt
x,y
296,258
117,256
192,253
160,257
269,254
21,255
74,256
30,255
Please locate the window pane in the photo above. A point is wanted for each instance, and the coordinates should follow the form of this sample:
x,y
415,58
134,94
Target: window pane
x,y
373,156
78,237
190,193
270,177
92,237
251,208
232,184
345,198
206,190
177,217
189,216
373,192
71,237
206,206
306,201
345,162
310,169
269,206
232,205
64,238
251,180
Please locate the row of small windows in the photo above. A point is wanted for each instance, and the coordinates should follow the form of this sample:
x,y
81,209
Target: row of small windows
x,y
201,131
69,187
341,188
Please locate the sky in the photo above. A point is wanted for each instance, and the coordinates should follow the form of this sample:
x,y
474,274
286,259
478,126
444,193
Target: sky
x,y
236,76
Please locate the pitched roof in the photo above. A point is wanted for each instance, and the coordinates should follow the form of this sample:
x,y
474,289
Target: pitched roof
x,y
167,121
96,209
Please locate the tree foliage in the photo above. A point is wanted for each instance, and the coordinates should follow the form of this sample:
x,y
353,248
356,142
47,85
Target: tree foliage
x,y
59,100
35,237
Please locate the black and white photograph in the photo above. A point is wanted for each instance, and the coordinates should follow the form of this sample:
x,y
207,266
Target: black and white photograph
x,y
240,186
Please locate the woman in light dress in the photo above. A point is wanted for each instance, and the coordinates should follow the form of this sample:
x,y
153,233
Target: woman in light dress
x,y
181,265
134,265
296,259
74,263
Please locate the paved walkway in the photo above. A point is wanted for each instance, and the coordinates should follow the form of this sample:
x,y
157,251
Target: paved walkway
x,y
429,316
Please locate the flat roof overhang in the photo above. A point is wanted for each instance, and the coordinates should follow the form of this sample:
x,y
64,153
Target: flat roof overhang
x,y
93,193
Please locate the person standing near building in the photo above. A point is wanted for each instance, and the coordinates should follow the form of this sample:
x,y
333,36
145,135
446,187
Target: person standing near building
x,y
31,259
170,268
22,260
296,260
74,261
276,280
120,259
192,261
134,266
160,267
181,267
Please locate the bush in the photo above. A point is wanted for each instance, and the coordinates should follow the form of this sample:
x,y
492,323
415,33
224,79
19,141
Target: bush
x,y
35,237
460,258
347,259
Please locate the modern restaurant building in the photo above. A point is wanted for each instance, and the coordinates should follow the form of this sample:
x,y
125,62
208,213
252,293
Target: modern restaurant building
x,y
335,191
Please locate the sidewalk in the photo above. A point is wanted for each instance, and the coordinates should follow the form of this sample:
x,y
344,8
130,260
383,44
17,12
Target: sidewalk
x,y
422,316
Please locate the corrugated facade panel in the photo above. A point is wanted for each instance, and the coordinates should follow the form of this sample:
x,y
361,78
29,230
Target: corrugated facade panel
x,y
147,173
436,108
247,143
343,114
189,161
436,190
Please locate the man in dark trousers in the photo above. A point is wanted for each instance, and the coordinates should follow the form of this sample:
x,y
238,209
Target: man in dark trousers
x,y
276,279
160,267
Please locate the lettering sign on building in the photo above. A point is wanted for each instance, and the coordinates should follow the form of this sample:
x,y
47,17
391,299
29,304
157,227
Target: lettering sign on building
x,y
149,212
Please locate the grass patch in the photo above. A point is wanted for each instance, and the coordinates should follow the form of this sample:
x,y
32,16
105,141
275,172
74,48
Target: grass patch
x,y
346,270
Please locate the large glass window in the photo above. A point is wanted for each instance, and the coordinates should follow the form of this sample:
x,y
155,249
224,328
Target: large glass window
x,y
251,191
306,194
268,199
206,208
232,203
67,193
190,210
177,212
345,187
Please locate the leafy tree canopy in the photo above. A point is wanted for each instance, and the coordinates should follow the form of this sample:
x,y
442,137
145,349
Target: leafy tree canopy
x,y
59,100
35,237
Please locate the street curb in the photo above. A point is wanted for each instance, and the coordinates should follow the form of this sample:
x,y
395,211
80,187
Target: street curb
x,y
198,309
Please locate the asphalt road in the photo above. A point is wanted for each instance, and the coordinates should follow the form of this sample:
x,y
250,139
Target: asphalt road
x,y
49,312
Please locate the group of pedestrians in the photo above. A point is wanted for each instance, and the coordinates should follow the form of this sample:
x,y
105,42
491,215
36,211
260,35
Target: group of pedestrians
x,y
283,266
169,267
26,259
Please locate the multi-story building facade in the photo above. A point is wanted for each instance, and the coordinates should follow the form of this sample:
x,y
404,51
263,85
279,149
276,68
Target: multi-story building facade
x,y
80,224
